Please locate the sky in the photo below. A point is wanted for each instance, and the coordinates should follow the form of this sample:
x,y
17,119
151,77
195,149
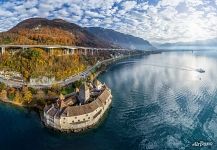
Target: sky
x,y
154,20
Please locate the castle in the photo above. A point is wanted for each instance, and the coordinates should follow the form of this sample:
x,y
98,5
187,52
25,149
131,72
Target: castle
x,y
79,111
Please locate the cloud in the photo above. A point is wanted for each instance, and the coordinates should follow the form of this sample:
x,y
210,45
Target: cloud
x,y
173,3
91,14
162,21
128,5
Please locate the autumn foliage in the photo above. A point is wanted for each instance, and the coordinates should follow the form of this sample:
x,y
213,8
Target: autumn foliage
x,y
35,62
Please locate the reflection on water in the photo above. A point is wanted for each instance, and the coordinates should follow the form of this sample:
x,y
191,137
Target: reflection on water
x,y
159,102
171,106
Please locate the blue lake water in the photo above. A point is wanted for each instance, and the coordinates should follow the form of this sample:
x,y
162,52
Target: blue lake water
x,y
159,102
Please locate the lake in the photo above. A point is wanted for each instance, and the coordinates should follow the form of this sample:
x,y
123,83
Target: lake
x,y
159,102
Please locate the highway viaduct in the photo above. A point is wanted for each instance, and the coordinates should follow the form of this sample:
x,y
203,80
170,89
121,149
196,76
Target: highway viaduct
x,y
66,49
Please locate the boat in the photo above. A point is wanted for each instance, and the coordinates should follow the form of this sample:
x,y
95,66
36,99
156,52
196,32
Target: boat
x,y
200,70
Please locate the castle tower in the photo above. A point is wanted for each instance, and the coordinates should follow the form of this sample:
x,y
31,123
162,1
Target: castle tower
x,y
84,93
97,84
60,102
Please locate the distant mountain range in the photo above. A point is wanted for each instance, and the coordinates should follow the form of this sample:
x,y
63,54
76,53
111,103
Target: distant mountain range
x,y
199,43
121,39
58,31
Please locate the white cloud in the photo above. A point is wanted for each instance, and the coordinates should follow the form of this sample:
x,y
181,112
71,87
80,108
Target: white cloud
x,y
91,14
128,5
173,3
166,21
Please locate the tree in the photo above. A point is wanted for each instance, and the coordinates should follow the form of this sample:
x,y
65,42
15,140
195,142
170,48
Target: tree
x,y
11,90
26,74
11,93
40,94
55,88
2,86
27,96
51,94
3,95
17,97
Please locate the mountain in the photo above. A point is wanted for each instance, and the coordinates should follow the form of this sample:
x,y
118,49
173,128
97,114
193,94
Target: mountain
x,y
58,31
121,39
199,43
44,31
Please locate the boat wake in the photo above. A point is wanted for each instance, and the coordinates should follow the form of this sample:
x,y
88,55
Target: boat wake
x,y
185,68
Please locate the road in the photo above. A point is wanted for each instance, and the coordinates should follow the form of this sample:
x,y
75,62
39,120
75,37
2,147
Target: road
x,y
71,79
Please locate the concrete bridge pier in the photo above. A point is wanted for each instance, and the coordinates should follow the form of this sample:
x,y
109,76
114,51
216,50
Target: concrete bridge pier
x,y
25,48
83,51
77,51
71,51
2,50
65,51
74,51
49,51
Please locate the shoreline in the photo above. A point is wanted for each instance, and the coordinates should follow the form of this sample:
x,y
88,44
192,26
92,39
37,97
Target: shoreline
x,y
20,105
107,64
39,108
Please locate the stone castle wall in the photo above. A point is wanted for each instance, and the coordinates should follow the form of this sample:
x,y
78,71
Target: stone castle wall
x,y
77,123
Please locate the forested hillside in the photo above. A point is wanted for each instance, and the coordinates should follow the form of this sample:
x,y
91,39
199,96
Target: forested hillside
x,y
36,62
44,31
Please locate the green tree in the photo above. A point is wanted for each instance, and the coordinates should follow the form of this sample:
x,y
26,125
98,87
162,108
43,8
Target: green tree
x,y
11,93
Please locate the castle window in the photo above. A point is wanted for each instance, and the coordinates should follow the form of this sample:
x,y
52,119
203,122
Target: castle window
x,y
75,117
83,119
88,117
97,114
